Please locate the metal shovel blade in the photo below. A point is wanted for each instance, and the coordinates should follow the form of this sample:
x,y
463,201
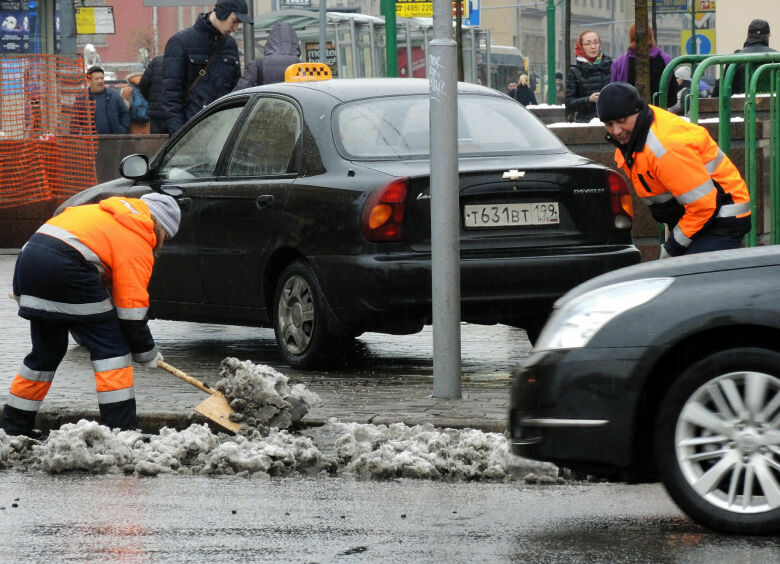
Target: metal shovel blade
x,y
217,409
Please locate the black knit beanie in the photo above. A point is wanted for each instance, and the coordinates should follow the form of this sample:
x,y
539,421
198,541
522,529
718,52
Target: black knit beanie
x,y
617,100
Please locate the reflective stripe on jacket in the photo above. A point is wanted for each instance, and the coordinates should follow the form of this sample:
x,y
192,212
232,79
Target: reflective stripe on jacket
x,y
687,181
117,237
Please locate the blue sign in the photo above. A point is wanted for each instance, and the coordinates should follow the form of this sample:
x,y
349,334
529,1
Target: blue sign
x,y
473,18
703,45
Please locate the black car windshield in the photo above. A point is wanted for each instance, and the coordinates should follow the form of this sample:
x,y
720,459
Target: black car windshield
x,y
397,128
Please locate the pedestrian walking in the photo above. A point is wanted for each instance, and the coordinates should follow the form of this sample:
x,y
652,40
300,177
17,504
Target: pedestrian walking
x,y
677,170
201,62
109,114
757,41
151,85
86,271
624,67
137,105
586,77
281,50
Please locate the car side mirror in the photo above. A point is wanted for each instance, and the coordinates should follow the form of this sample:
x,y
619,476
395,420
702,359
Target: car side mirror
x,y
134,166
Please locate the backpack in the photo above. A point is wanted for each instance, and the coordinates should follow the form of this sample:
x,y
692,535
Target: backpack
x,y
139,107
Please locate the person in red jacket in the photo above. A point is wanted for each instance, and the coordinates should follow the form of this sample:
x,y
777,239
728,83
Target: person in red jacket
x,y
677,170
86,271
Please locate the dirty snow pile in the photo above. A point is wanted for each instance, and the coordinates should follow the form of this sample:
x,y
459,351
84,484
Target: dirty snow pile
x,y
423,451
360,450
261,396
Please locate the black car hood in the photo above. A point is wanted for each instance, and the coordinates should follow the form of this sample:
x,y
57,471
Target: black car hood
x,y
422,167
116,187
735,259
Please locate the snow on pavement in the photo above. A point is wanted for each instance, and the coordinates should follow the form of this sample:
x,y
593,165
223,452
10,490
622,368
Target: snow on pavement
x,y
267,405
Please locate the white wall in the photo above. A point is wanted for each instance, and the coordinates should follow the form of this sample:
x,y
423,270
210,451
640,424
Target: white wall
x,y
733,17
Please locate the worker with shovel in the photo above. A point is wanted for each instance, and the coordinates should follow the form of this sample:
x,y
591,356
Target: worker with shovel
x,y
86,271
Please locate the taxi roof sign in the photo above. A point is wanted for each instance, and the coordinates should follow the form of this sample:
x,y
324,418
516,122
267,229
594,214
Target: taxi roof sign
x,y
306,72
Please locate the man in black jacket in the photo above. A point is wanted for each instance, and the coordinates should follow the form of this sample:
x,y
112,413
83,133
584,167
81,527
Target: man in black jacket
x,y
757,42
201,62
151,87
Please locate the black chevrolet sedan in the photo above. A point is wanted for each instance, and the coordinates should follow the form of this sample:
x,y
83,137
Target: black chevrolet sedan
x,y
306,207
668,369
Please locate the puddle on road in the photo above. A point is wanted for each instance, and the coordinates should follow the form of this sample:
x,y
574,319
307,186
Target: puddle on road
x,y
264,447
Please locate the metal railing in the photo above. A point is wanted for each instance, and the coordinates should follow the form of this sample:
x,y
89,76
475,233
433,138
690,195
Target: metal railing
x,y
756,65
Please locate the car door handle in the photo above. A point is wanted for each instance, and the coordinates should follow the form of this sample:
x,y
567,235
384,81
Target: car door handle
x,y
264,201
184,203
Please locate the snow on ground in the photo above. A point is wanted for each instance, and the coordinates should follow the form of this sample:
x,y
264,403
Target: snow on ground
x,y
264,447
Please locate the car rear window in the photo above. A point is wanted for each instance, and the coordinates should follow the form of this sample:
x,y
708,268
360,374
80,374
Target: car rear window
x,y
397,128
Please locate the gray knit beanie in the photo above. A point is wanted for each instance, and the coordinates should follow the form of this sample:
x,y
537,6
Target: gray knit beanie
x,y
165,210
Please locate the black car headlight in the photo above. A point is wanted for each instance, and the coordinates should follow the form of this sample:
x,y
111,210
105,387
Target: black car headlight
x,y
578,320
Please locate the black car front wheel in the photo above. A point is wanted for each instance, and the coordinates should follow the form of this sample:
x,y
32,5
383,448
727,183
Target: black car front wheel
x,y
300,318
718,441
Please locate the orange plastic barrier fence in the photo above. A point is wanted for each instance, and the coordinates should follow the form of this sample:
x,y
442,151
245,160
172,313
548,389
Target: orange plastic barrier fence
x,y
46,152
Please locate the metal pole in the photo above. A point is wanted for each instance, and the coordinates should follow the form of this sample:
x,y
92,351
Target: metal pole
x,y
489,70
249,36
473,36
445,215
337,47
323,32
409,70
67,28
391,49
693,28
551,51
354,50
156,34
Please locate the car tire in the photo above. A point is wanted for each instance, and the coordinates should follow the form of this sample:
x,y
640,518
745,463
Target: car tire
x,y
717,449
301,318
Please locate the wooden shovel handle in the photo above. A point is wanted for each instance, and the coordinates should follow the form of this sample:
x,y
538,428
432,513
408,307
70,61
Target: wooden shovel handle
x,y
186,377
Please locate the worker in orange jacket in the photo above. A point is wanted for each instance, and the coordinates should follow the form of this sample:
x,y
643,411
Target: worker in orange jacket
x,y
86,271
677,170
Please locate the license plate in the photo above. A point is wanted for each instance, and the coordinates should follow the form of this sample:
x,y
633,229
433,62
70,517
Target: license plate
x,y
510,215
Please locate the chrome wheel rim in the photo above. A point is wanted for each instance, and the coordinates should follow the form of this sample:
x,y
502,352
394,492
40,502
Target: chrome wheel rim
x,y
727,442
296,315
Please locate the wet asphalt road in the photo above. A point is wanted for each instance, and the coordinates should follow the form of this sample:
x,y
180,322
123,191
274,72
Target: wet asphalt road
x,y
188,519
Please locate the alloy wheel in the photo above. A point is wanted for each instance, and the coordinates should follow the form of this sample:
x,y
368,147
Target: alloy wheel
x,y
727,442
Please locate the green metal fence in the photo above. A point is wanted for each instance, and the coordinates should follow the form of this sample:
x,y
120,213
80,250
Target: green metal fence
x,y
757,65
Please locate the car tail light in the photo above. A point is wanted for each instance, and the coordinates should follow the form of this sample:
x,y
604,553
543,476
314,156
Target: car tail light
x,y
383,213
622,206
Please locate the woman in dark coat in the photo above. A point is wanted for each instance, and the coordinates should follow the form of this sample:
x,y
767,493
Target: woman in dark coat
x,y
523,92
590,73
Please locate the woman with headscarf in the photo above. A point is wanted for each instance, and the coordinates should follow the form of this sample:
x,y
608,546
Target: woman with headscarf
x,y
586,77
624,67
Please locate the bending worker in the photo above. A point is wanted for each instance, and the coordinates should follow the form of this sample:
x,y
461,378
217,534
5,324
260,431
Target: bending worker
x,y
677,169
86,271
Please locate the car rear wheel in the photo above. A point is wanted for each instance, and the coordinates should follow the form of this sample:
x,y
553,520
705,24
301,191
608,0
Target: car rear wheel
x,y
718,441
300,322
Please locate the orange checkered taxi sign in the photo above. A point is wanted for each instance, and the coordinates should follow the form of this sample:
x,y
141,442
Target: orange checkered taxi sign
x,y
305,72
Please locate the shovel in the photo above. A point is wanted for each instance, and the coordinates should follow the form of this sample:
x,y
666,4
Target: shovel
x,y
216,408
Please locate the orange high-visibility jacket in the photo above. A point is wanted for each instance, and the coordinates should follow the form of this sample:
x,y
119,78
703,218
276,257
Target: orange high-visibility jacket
x,y
687,181
117,236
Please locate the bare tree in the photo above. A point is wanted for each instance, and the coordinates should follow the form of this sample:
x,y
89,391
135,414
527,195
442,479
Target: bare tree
x,y
642,50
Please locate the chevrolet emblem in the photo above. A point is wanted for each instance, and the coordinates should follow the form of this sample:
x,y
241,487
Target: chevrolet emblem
x,y
514,174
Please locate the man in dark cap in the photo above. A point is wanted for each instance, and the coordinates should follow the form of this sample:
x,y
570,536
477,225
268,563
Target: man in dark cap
x,y
757,42
201,62
678,171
